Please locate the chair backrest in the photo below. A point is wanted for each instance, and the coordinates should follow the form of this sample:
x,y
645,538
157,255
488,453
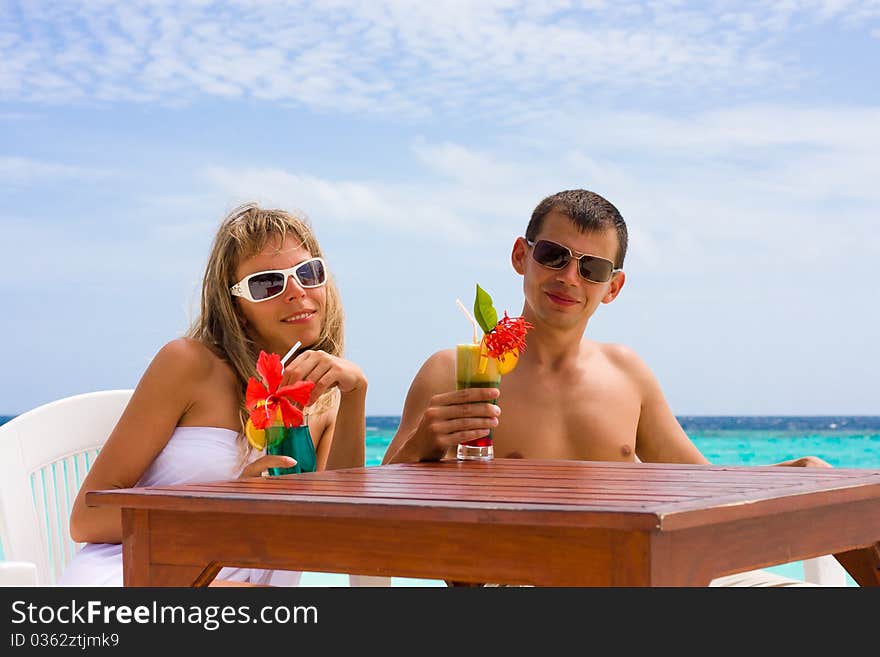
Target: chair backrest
x,y
44,456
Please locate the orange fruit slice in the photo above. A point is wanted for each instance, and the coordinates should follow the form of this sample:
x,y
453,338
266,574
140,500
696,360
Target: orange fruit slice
x,y
483,363
256,437
507,362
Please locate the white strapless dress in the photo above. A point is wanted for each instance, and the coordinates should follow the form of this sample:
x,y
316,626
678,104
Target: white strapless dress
x,y
192,455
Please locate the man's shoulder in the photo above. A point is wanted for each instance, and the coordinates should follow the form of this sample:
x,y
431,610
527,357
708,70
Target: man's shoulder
x,y
615,352
439,362
436,372
625,360
621,357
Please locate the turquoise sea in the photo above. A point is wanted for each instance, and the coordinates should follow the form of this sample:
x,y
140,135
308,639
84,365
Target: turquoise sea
x,y
842,441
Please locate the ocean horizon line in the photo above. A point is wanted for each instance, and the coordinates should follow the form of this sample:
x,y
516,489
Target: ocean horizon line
x,y
732,422
736,415
869,423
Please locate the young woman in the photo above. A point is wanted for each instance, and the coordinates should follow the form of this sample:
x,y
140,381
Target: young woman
x,y
266,287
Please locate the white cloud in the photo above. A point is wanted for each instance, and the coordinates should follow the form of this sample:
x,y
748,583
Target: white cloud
x,y
468,166
744,128
783,183
691,187
802,157
401,58
23,171
345,203
18,116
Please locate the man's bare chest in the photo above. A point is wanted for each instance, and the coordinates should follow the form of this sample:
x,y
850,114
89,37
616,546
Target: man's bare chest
x,y
585,422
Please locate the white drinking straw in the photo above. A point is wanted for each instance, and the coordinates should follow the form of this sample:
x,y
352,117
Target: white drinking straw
x,y
470,318
290,353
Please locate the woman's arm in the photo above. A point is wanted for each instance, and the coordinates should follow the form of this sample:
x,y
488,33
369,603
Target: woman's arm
x,y
161,398
342,442
341,429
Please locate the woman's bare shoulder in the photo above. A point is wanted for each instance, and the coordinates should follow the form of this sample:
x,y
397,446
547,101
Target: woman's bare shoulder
x,y
189,359
193,384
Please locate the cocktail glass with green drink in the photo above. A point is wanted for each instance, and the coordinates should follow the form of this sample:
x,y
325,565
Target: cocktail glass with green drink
x,y
482,363
275,421
468,375
295,442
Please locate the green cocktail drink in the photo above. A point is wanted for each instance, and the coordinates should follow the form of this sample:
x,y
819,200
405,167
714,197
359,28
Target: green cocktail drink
x,y
482,363
291,441
468,375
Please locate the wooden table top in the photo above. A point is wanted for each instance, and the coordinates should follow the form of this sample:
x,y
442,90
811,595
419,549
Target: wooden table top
x,y
646,496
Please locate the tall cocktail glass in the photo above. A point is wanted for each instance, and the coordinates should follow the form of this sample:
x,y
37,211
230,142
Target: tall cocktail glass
x,y
468,375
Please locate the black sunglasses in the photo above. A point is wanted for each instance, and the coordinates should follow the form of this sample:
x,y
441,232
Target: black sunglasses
x,y
556,256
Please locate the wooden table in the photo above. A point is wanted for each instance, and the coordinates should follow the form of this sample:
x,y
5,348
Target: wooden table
x,y
514,521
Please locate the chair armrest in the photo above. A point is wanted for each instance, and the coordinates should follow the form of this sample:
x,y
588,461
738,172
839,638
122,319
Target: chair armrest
x,y
368,580
824,571
18,573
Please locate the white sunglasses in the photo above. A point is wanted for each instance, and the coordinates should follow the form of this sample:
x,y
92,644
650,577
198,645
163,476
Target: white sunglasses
x,y
265,285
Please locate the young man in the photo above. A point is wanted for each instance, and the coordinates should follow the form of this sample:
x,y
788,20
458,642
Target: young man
x,y
569,397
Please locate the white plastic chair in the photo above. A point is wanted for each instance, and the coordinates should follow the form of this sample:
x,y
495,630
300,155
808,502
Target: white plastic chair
x,y
825,570
45,454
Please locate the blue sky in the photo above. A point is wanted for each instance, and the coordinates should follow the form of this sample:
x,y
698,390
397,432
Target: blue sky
x,y
740,141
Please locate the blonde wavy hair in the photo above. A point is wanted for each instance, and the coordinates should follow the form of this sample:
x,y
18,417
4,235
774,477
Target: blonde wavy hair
x,y
243,234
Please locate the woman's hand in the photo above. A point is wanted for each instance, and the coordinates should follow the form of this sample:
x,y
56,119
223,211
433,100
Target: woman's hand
x,y
256,467
339,431
325,371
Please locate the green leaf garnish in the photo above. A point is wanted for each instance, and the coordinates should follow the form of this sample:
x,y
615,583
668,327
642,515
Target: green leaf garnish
x,y
484,311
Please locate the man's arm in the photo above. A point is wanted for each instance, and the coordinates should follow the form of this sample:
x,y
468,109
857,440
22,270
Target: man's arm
x,y
659,437
436,417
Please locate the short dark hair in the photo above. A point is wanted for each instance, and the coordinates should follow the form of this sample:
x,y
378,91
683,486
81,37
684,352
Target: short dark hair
x,y
588,211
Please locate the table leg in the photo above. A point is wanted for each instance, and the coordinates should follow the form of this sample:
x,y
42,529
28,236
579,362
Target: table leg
x,y
137,566
863,564
452,582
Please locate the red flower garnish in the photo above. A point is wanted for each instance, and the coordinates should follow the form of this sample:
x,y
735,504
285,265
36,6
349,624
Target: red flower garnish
x,y
508,335
264,399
